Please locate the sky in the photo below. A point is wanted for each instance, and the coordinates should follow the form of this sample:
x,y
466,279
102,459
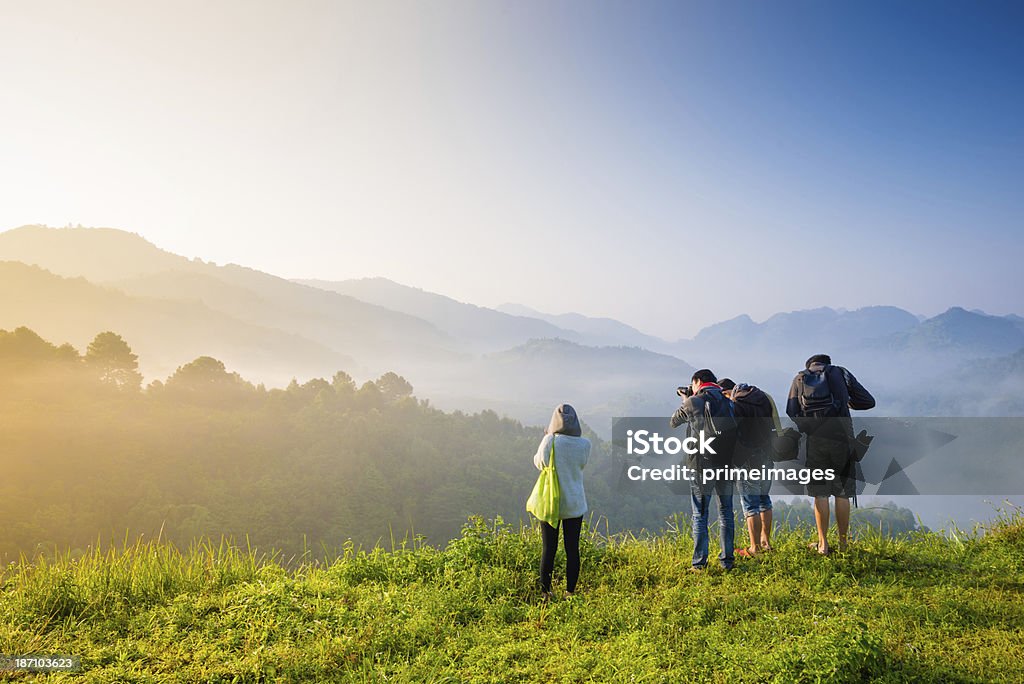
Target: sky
x,y
667,164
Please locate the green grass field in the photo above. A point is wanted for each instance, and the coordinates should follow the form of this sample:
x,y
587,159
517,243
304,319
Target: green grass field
x,y
925,608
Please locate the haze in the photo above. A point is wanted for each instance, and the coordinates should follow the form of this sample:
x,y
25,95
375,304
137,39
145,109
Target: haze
x,y
568,157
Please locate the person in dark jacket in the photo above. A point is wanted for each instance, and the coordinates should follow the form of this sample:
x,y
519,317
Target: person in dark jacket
x,y
758,424
819,402
704,388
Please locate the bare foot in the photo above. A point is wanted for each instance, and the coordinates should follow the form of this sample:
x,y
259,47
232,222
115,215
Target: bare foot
x,y
823,550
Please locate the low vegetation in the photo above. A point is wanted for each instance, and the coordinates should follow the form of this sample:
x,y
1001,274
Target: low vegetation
x,y
923,607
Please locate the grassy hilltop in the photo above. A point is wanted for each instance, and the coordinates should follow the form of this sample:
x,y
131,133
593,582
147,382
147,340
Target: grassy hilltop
x,y
923,608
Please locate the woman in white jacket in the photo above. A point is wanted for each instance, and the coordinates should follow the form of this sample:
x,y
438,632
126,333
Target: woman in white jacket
x,y
571,453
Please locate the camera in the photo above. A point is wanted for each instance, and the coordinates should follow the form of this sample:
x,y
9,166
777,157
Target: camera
x,y
684,391
786,445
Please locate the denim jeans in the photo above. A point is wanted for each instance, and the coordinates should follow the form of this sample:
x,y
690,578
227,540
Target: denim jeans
x,y
754,493
701,502
755,504
751,486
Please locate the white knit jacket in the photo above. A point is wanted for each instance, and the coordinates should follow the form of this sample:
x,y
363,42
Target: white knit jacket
x,y
571,454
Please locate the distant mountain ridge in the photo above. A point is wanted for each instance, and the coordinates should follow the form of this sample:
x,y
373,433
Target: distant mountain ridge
x,y
170,333
96,254
601,382
596,331
889,348
481,328
372,335
821,326
170,307
964,332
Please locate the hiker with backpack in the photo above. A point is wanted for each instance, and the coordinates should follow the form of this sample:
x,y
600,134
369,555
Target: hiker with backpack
x,y
565,447
758,425
705,408
820,399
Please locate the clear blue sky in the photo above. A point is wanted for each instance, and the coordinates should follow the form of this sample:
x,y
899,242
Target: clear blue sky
x,y
568,156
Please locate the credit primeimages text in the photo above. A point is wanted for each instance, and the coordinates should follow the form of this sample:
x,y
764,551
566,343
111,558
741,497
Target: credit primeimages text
x,y
643,442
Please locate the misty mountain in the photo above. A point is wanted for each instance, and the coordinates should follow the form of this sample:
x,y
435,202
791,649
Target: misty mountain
x,y
893,352
769,353
555,362
988,387
918,369
165,334
171,309
732,333
593,331
529,360
821,328
96,254
475,327
376,338
601,382
961,332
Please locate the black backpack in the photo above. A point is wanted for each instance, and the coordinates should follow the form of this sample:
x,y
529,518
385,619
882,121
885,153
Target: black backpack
x,y
719,414
720,422
815,394
753,410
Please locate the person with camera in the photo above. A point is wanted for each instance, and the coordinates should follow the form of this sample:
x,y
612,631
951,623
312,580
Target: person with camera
x,y
819,402
704,403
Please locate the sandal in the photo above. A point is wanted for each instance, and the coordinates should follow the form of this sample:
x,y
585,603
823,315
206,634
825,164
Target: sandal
x,y
813,546
744,553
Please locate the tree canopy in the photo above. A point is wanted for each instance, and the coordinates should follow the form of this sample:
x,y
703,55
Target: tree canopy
x,y
113,361
88,452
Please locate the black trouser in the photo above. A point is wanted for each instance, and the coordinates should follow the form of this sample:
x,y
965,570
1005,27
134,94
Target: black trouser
x,y
549,535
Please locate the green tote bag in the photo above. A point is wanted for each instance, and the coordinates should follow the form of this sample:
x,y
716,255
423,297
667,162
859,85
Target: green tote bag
x,y
544,500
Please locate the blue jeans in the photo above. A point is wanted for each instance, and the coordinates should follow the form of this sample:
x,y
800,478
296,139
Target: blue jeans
x,y
701,502
755,504
755,492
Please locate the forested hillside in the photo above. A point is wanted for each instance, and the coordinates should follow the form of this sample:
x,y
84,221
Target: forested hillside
x,y
90,455
87,452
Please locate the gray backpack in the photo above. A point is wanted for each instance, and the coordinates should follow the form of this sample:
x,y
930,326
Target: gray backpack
x,y
815,394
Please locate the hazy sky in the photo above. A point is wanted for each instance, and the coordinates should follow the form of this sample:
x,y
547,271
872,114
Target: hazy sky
x,y
667,164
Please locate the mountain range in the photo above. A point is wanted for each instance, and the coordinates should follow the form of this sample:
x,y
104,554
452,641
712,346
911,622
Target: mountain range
x,y
474,328
70,283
